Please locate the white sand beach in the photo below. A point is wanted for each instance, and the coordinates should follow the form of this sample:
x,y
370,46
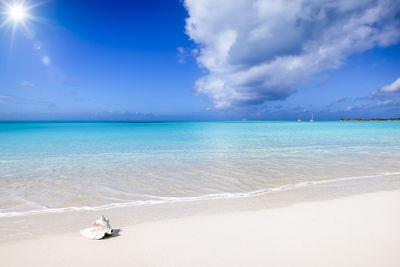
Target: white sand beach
x,y
355,230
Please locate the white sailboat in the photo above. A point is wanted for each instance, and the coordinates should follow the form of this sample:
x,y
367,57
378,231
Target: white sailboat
x,y
312,117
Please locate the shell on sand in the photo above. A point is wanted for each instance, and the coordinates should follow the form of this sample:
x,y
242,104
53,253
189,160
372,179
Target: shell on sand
x,y
100,229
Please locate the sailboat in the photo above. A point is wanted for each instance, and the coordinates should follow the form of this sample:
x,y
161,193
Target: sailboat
x,y
312,117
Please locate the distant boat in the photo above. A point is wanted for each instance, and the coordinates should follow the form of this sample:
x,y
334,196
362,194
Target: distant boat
x,y
312,117
298,120
243,119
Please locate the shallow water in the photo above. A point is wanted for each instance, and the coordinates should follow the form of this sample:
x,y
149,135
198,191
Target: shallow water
x,y
59,165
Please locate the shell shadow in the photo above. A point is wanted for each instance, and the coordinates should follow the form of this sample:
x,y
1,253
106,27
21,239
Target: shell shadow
x,y
115,233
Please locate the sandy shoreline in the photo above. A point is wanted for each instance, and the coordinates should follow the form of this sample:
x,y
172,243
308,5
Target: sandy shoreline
x,y
350,223
359,230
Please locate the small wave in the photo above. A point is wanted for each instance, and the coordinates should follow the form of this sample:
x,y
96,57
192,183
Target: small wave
x,y
163,200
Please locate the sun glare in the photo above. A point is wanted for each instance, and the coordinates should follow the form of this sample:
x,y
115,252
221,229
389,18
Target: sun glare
x,y
17,13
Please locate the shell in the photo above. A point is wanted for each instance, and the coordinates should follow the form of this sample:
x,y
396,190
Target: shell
x,y
100,229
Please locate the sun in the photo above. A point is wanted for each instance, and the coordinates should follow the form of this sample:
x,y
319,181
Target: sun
x,y
17,13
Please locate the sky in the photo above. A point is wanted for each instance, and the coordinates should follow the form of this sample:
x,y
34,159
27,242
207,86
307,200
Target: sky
x,y
199,59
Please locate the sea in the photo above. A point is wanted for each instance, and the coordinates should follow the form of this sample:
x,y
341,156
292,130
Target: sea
x,y
56,166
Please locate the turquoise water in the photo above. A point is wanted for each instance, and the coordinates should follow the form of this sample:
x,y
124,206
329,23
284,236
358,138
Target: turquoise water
x,y
56,165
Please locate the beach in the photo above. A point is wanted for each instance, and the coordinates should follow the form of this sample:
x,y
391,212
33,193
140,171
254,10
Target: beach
x,y
200,193
346,223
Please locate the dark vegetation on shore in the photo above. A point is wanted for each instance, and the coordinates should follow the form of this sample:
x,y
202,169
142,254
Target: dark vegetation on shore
x,y
375,119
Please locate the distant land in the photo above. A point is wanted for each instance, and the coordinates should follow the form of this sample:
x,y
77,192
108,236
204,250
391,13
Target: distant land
x,y
376,119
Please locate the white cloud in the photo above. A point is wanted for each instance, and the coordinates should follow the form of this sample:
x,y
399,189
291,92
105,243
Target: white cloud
x,y
182,54
391,88
26,84
378,104
46,61
257,50
388,91
4,99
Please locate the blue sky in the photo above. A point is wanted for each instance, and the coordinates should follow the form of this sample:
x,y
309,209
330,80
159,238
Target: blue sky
x,y
203,59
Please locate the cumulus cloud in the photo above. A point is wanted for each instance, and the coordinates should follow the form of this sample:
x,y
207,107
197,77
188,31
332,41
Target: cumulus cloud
x,y
258,50
391,88
388,91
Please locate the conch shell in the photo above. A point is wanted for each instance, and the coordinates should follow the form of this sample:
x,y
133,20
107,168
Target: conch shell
x,y
100,229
